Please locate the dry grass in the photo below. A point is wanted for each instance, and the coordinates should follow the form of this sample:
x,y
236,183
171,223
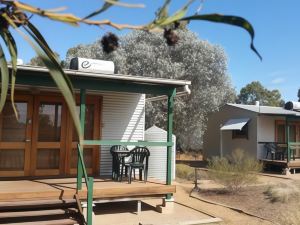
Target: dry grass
x,y
189,156
290,217
185,172
235,171
283,192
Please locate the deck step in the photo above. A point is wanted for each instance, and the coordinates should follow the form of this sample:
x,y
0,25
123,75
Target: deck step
x,y
40,212
36,204
48,222
35,213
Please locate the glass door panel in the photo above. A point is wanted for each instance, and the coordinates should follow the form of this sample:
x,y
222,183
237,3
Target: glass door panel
x,y
49,135
15,135
91,132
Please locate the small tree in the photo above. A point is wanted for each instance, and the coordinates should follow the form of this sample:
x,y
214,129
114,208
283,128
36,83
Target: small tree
x,y
235,171
255,91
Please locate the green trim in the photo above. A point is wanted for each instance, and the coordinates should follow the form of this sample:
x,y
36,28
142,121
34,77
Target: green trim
x,y
169,139
89,182
294,143
287,137
90,201
80,167
88,83
126,143
82,110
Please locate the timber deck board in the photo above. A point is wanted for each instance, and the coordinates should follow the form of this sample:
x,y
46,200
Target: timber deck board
x,y
36,213
292,164
48,222
65,188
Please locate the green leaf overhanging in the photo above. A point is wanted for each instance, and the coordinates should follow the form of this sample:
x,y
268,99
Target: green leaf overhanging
x,y
12,47
55,70
4,78
227,19
43,43
105,7
177,15
59,77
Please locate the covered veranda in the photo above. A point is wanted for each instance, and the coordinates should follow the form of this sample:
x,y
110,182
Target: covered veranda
x,y
84,187
284,151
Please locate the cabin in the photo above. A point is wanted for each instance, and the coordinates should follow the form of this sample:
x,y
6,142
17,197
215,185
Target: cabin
x,y
269,134
43,168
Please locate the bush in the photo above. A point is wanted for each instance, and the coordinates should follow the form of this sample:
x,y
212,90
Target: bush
x,y
235,171
185,172
283,193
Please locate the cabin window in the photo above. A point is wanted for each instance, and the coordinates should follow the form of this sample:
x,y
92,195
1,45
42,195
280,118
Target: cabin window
x,y
242,134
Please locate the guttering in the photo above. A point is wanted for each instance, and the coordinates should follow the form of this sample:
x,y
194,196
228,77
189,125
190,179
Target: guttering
x,y
119,77
186,91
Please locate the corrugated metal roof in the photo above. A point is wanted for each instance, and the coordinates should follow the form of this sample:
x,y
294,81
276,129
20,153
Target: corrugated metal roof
x,y
235,124
115,77
271,110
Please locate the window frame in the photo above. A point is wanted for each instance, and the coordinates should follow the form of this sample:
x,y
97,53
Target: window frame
x,y
241,134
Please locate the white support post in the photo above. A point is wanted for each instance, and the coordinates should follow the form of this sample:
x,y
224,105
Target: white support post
x,y
139,207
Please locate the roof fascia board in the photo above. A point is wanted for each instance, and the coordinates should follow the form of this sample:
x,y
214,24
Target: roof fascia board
x,y
88,83
117,77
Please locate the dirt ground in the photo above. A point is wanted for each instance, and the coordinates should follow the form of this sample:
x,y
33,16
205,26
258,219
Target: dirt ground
x,y
252,199
229,216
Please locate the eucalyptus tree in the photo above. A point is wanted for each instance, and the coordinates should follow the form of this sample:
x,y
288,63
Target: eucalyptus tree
x,y
17,15
255,91
146,54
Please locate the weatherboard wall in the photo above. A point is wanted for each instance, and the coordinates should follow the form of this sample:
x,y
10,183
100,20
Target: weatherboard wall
x,y
265,132
212,138
123,118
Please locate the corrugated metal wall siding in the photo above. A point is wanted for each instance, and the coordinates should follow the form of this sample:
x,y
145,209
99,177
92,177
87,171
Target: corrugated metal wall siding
x,y
158,158
123,118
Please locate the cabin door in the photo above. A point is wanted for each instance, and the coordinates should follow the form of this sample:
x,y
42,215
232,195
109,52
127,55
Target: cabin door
x,y
42,140
48,136
15,137
91,132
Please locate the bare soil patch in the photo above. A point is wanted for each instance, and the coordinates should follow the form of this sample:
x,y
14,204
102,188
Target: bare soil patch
x,y
251,199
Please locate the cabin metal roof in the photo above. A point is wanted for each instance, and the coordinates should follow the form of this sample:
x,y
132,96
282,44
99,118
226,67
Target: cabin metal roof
x,y
40,77
268,110
115,77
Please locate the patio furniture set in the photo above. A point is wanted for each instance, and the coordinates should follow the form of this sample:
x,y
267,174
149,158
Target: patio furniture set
x,y
278,151
125,162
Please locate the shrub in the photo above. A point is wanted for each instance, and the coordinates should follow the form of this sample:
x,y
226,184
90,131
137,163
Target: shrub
x,y
235,171
283,193
185,172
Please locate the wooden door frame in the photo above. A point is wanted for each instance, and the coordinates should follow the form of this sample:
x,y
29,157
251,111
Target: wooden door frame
x,y
282,122
35,143
30,154
96,100
26,145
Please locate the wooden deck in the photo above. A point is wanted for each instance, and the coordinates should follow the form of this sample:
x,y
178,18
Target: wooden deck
x,y
65,188
293,164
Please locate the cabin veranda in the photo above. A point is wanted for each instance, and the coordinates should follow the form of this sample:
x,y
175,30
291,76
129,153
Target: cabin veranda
x,y
39,153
